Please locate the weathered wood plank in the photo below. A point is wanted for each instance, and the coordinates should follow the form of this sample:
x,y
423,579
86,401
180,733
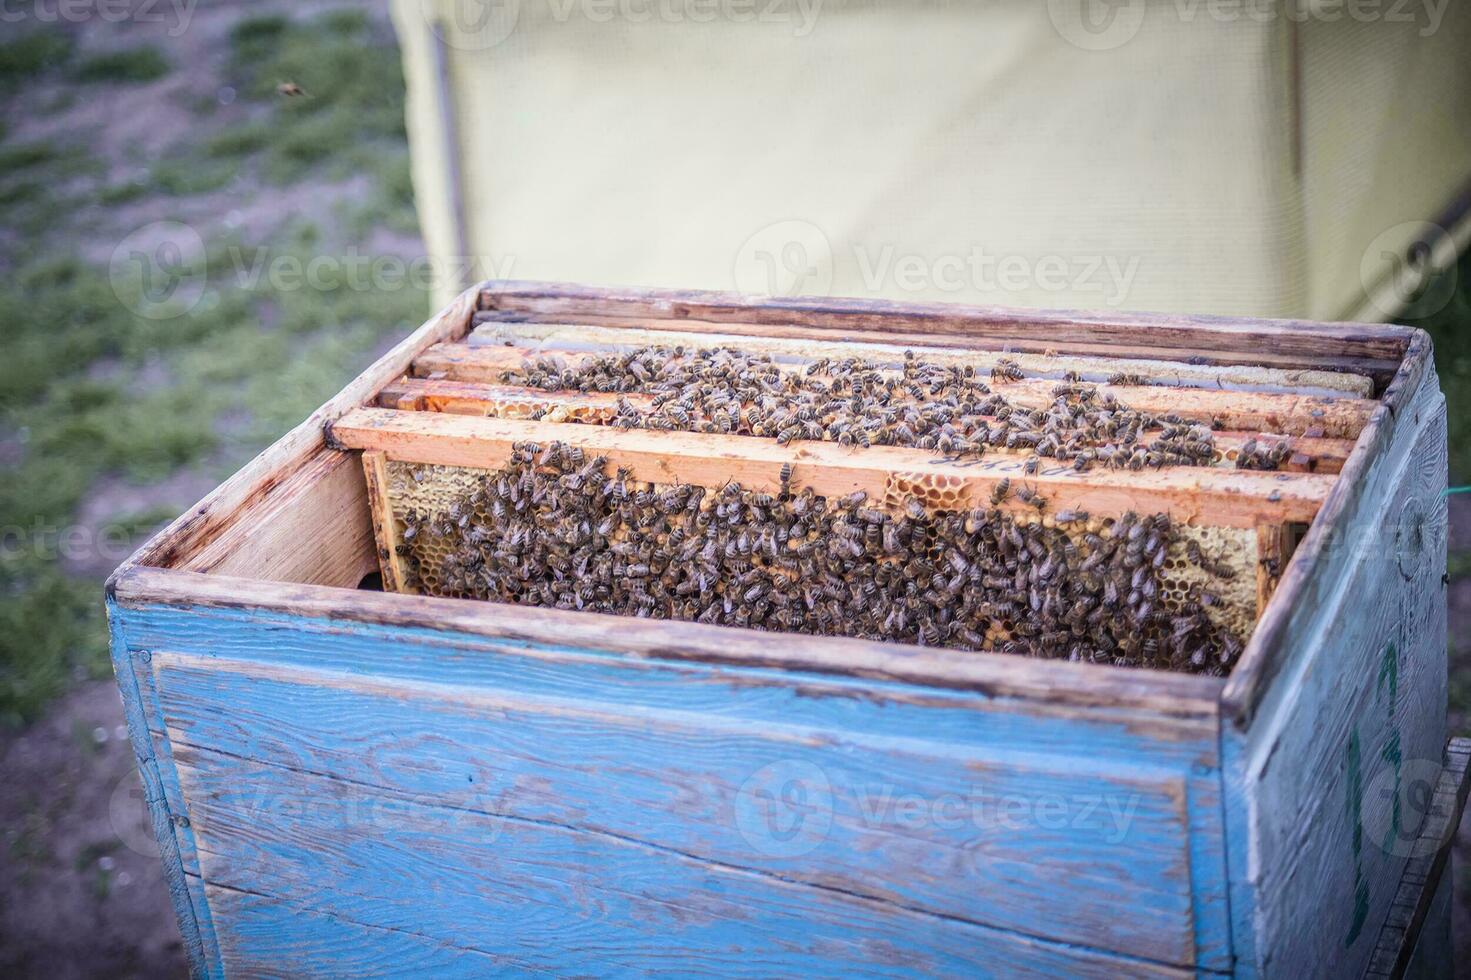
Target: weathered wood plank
x,y
1320,785
493,329
904,820
314,526
503,401
516,402
1271,412
1271,558
188,601
226,505
1059,329
385,529
163,797
1379,371
1191,495
263,936
976,697
1411,926
1320,561
455,894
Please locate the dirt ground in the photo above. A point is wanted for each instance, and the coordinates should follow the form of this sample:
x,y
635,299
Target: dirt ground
x,y
81,886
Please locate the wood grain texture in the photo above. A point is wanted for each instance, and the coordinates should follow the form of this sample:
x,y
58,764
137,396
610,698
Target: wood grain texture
x,y
1252,781
1319,811
1379,370
1161,699
223,507
497,329
1320,561
385,529
1214,339
263,936
164,800
411,662
1277,413
1271,558
1410,928
572,922
314,526
1190,495
917,822
515,402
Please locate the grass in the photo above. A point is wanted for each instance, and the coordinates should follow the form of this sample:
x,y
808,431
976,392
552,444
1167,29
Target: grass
x,y
92,391
129,66
349,121
23,156
30,55
1450,328
352,110
182,178
62,317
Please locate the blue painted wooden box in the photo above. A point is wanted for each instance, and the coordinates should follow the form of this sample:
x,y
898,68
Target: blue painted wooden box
x,y
348,782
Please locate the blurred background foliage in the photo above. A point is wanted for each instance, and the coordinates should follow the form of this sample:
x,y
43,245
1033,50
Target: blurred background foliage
x,y
93,394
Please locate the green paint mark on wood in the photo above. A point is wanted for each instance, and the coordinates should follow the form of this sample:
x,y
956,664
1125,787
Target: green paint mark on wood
x,y
1389,669
1391,754
1355,803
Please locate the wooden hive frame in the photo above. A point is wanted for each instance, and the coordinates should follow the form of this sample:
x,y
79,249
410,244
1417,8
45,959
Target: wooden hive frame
x,y
454,409
275,553
1329,390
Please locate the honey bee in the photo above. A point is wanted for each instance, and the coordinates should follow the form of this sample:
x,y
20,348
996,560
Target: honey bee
x,y
1029,495
1006,370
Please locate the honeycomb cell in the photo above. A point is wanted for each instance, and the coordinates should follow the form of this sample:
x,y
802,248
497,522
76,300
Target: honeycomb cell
x,y
948,576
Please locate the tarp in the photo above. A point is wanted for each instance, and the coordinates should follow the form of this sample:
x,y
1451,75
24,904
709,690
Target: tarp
x,y
1250,157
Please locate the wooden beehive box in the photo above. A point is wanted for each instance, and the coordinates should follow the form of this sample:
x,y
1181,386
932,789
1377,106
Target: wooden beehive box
x,y
348,781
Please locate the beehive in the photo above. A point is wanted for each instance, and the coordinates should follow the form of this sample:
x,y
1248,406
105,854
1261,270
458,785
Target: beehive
x,y
976,451
350,781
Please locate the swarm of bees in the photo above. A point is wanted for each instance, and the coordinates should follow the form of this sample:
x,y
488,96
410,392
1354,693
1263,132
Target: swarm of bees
x,y
557,528
1255,455
950,410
